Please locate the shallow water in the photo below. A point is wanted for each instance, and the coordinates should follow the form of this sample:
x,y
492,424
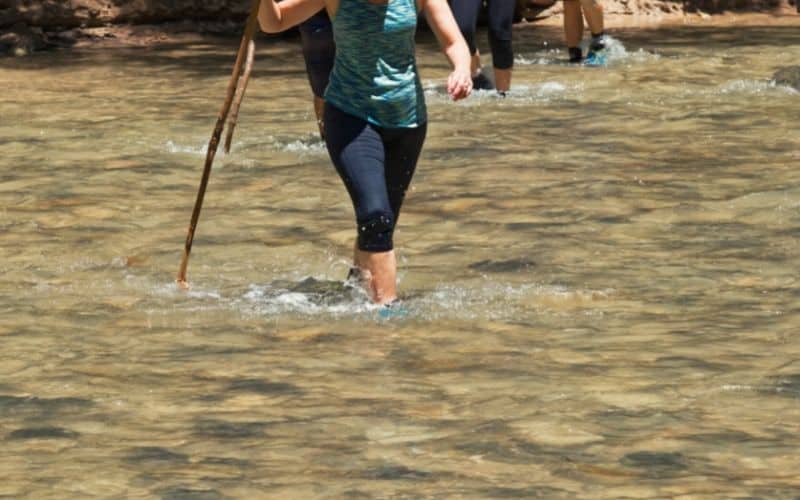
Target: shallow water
x,y
599,272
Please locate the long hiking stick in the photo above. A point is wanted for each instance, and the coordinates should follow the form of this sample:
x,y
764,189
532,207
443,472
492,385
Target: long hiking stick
x,y
237,102
249,30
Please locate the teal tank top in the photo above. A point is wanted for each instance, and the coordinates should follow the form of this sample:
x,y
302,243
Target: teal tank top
x,y
374,74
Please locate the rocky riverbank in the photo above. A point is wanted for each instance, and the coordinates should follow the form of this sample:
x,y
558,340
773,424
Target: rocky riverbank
x,y
27,26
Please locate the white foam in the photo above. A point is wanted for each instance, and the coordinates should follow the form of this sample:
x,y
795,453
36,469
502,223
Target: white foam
x,y
550,56
754,87
537,92
311,144
267,300
500,301
550,88
615,53
615,50
199,150
482,299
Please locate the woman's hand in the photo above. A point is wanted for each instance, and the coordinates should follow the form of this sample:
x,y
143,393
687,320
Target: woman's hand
x,y
459,84
440,19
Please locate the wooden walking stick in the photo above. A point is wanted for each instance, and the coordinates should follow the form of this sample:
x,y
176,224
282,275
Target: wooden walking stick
x,y
237,102
249,30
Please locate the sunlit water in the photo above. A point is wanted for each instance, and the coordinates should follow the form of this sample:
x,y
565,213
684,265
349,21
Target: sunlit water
x,y
599,272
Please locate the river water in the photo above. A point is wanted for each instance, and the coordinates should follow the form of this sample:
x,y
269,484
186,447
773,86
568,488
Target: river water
x,y
599,272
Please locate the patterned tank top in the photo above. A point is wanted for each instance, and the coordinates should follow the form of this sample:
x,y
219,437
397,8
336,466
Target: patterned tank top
x,y
374,75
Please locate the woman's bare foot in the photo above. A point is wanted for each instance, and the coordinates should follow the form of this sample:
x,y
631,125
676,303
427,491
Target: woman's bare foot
x,y
378,274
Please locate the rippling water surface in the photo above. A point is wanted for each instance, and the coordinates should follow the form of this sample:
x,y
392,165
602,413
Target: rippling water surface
x,y
600,273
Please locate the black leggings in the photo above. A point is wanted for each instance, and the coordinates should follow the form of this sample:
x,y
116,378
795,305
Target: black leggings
x,y
318,50
376,165
501,16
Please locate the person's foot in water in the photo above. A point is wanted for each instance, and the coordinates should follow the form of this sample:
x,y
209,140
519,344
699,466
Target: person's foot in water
x,y
597,51
353,276
575,55
394,309
481,82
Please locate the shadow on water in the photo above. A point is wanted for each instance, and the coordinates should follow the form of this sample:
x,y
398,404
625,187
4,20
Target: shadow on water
x,y
153,455
656,464
221,429
187,493
215,56
36,407
43,433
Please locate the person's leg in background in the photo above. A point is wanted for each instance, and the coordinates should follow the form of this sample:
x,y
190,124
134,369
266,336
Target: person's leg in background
x,y
501,18
593,12
466,15
573,29
319,50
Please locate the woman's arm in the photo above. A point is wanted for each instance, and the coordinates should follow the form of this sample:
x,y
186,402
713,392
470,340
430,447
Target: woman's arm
x,y
440,19
275,17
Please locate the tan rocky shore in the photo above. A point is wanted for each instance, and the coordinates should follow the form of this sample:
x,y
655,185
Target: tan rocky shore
x,y
31,25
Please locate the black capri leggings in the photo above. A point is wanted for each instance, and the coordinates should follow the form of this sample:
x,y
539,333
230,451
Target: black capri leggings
x,y
318,50
501,16
376,165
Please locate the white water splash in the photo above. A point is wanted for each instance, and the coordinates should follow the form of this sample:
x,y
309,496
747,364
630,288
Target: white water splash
x,y
500,301
755,87
615,52
199,150
549,56
482,299
546,91
311,144
549,89
271,300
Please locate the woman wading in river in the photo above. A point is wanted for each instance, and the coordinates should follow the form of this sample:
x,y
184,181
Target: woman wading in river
x,y
375,119
500,17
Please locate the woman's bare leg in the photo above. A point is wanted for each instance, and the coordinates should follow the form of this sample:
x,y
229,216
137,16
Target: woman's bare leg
x,y
378,274
502,79
573,23
593,12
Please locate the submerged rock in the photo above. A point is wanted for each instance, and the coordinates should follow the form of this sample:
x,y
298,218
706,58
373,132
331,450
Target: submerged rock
x,y
502,266
43,433
789,76
21,40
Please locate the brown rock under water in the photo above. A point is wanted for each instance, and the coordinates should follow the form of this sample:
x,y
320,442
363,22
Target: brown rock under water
x,y
789,76
20,40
